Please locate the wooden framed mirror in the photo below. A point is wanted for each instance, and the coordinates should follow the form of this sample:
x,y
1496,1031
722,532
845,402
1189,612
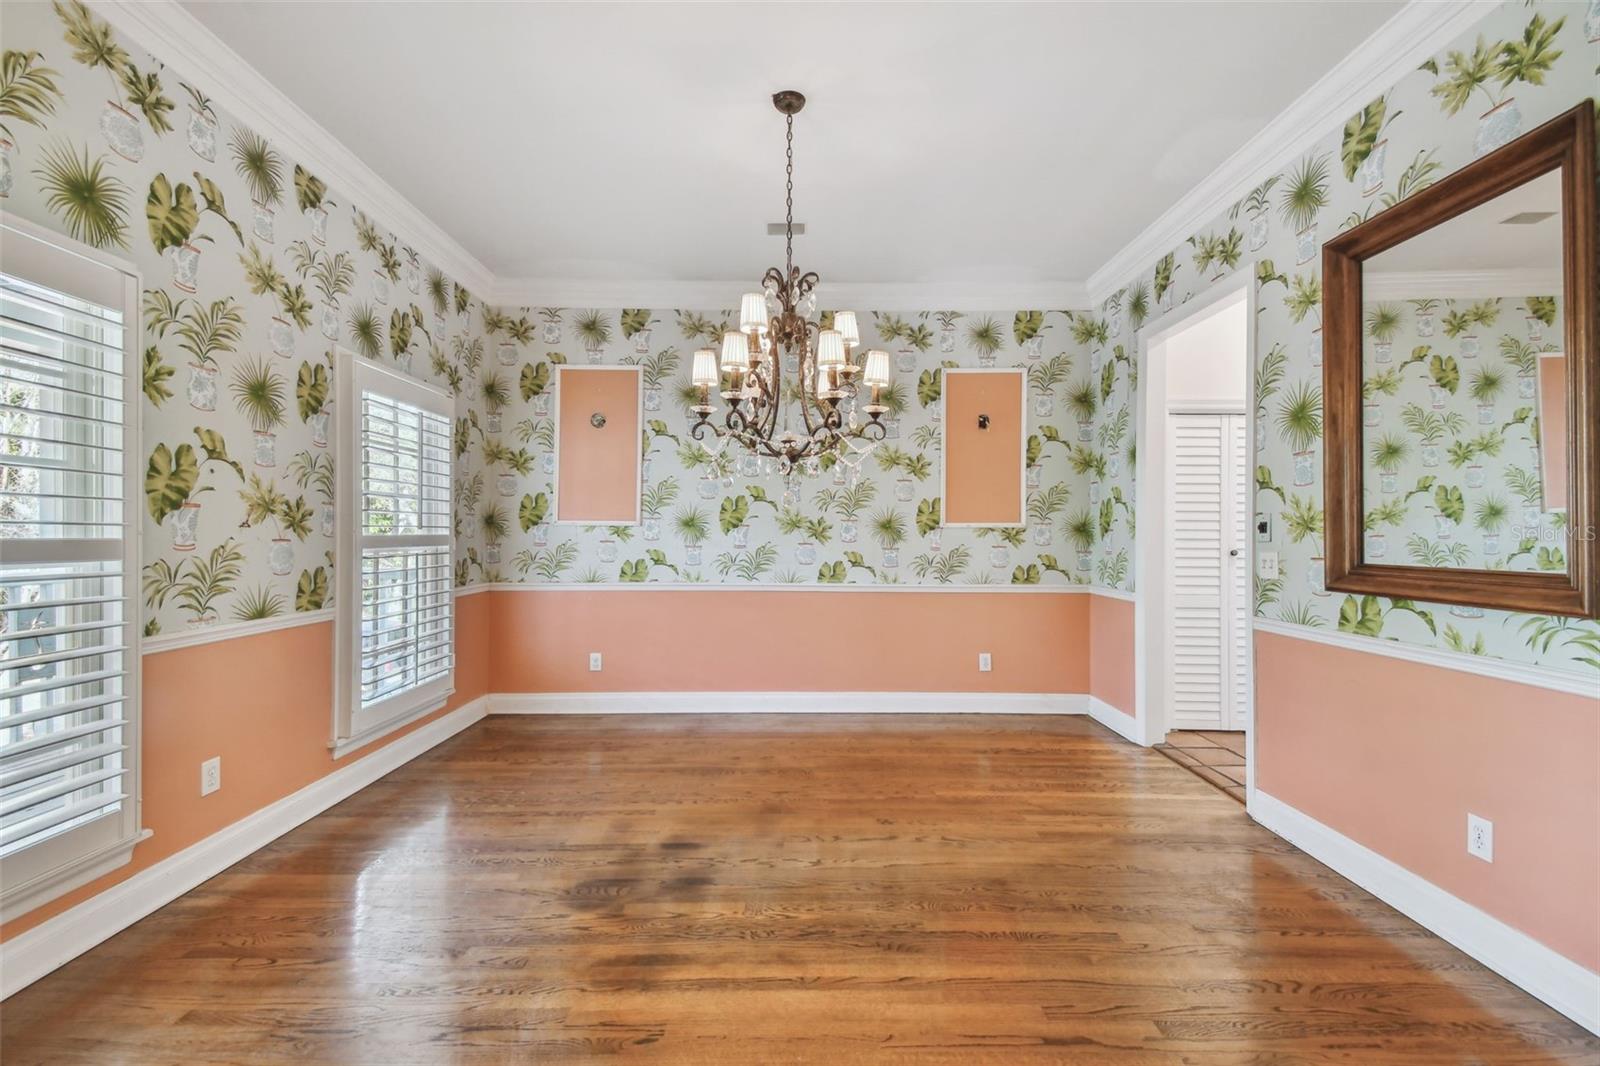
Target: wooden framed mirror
x,y
1462,385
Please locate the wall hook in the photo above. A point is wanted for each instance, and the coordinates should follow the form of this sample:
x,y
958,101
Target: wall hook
x,y
597,420
983,421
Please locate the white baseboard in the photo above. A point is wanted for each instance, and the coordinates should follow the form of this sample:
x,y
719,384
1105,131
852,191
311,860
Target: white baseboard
x,y
29,956
1563,984
788,703
1124,725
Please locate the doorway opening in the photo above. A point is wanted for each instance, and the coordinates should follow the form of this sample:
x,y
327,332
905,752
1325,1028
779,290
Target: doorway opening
x,y
1195,662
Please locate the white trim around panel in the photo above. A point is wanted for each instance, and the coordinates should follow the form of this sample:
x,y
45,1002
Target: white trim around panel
x,y
1022,446
233,631
1415,33
1541,972
638,459
1546,677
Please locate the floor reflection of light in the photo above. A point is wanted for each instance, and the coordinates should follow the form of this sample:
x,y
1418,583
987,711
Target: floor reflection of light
x,y
395,914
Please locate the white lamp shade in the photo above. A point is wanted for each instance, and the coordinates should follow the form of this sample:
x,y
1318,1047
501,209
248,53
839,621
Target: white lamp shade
x,y
877,370
735,351
705,368
753,312
830,348
824,385
845,323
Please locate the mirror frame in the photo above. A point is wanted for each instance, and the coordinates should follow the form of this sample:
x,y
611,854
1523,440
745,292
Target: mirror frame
x,y
1567,144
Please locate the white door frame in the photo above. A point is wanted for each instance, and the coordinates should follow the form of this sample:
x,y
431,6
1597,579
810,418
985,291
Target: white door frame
x,y
1150,608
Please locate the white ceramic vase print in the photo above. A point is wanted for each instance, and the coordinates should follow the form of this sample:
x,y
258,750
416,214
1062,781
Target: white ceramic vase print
x,y
202,133
1496,127
184,523
185,266
8,159
202,390
122,132
280,557
262,221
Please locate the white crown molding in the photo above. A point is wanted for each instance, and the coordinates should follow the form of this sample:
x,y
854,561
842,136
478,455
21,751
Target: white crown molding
x,y
212,634
1536,969
1459,284
788,703
703,586
866,295
1413,34
1545,677
29,956
179,39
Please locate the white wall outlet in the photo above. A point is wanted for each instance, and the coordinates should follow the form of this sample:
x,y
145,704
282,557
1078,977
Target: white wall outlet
x,y
985,663
210,775
594,662
1480,837
1266,565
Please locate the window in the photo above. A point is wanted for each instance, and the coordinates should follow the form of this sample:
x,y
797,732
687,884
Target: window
x,y
396,621
69,626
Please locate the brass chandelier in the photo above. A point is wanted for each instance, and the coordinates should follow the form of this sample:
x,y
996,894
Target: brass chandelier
x,y
779,334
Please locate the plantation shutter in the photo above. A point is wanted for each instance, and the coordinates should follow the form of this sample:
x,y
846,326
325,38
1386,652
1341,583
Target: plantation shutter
x,y
1240,603
1199,683
69,629
402,651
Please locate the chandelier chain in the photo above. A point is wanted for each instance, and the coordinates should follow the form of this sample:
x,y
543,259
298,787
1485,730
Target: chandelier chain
x,y
788,197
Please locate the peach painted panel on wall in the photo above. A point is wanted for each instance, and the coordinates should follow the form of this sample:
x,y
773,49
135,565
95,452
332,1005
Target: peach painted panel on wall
x,y
1397,761
1111,652
1553,429
669,641
236,699
597,476
984,466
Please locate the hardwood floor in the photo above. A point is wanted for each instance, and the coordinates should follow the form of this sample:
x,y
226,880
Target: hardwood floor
x,y
765,889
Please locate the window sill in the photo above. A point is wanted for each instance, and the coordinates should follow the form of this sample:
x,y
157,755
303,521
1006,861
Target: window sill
x,y
342,746
20,899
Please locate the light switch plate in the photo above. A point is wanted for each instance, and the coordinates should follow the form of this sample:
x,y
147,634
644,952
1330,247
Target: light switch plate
x,y
1266,565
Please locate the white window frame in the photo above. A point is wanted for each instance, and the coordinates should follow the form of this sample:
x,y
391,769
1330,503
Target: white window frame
x,y
355,726
57,865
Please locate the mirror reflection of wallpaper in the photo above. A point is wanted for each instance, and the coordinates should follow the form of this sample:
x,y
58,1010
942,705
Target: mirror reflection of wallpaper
x,y
1540,61
730,517
1451,434
253,271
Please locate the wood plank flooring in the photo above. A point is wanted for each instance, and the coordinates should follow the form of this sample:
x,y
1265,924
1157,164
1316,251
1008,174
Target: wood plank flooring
x,y
782,889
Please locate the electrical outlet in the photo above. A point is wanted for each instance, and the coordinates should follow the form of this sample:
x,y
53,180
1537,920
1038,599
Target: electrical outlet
x,y
985,663
594,662
1266,565
210,775
1480,837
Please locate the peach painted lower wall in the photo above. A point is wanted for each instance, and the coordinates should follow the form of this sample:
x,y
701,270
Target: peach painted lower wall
x,y
1397,762
1111,652
264,703
675,640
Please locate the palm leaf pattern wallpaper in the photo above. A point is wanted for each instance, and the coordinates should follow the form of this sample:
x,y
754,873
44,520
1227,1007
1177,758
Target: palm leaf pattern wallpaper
x,y
728,517
253,272
1521,65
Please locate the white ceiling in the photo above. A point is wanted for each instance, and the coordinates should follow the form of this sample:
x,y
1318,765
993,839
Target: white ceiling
x,y
983,144
1480,240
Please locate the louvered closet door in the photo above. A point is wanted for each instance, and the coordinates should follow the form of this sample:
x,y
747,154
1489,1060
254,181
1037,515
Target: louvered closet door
x,y
1207,506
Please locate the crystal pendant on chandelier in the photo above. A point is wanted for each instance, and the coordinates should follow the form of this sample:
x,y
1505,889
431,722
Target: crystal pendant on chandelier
x,y
791,389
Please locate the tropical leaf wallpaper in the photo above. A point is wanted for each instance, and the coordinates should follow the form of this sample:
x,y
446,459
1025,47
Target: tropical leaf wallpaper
x,y
728,517
1451,441
253,272
1521,65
